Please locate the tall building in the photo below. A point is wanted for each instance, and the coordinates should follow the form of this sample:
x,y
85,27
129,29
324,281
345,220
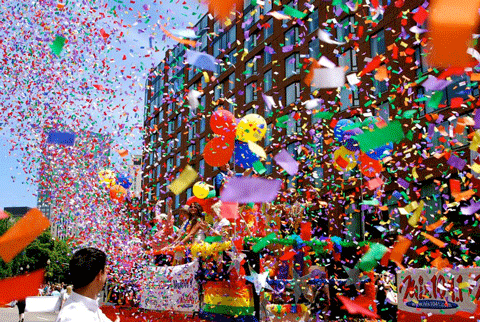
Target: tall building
x,y
67,178
257,53
135,172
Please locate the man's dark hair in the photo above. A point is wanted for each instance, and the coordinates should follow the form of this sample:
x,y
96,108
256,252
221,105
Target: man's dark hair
x,y
85,264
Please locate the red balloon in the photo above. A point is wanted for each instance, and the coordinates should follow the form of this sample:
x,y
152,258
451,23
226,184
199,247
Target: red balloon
x,y
222,122
117,192
205,203
218,151
368,166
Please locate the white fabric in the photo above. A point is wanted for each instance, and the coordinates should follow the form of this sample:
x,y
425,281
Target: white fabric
x,y
79,308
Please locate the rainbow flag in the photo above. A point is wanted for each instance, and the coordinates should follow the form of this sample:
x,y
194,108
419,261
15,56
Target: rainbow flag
x,y
225,299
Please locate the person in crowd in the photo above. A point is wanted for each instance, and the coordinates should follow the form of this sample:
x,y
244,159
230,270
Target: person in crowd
x,y
21,310
88,272
64,294
56,290
194,227
222,177
318,295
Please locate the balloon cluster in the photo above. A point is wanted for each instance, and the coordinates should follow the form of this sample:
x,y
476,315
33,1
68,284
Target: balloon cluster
x,y
232,137
349,154
117,184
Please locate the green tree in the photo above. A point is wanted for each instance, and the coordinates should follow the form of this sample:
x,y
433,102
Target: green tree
x,y
44,252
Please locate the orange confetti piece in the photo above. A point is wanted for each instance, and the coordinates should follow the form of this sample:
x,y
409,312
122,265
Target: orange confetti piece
x,y
22,234
192,43
434,240
19,287
401,246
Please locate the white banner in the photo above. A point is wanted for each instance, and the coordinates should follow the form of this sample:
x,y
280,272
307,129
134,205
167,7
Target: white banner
x,y
444,292
42,304
171,288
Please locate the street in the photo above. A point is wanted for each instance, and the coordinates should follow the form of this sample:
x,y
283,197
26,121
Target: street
x,y
11,315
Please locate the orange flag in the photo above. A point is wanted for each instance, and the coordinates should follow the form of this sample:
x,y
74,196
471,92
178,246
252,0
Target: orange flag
x,y
22,234
19,287
451,25
192,43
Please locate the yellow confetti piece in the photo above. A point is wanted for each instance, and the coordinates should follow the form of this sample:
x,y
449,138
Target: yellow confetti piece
x,y
186,178
413,220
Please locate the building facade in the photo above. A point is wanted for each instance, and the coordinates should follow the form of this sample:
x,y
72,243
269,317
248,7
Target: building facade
x,y
259,54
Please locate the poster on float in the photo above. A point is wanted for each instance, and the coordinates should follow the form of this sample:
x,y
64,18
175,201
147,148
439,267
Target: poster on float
x,y
433,294
170,288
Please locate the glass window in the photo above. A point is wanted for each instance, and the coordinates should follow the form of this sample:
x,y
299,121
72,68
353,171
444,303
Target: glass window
x,y
269,165
179,121
292,93
420,61
349,58
231,81
268,31
267,80
268,6
218,91
250,93
383,111
267,58
179,161
232,57
377,44
353,223
291,65
318,176
232,34
346,30
201,167
313,21
314,48
179,139
202,144
251,67
294,125
434,201
202,124
268,134
191,150
291,36
251,42
346,98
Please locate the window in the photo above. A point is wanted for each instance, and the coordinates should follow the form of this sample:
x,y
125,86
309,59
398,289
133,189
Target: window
x,y
251,42
291,65
179,121
189,193
346,97
202,144
250,93
191,150
420,61
218,91
314,48
251,67
231,81
267,80
434,201
346,30
201,166
268,31
267,57
377,44
177,201
202,124
232,57
353,223
383,111
192,130
312,21
294,125
232,35
291,36
268,134
171,125
318,176
349,58
269,165
203,42
179,139
268,6
292,93
179,160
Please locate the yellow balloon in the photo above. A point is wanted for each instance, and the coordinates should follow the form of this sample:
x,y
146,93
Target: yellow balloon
x,y
344,159
201,190
252,127
107,177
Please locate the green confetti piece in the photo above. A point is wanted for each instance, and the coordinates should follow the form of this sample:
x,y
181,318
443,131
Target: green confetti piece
x,y
262,243
292,12
57,45
258,167
323,115
393,132
435,100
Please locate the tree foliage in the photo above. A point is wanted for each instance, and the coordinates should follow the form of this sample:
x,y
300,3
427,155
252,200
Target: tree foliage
x,y
44,252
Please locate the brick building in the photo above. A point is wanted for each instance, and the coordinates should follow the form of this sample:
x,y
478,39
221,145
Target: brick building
x,y
260,54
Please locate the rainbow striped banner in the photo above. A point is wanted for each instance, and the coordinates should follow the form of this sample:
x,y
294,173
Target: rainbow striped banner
x,y
223,297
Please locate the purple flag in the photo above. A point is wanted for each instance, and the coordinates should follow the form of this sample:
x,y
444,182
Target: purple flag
x,y
456,162
434,84
287,162
246,189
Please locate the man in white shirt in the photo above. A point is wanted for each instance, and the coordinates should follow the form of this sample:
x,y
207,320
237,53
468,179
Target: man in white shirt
x,y
88,273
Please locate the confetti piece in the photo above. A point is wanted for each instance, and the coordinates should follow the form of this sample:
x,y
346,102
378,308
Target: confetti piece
x,y
184,180
19,287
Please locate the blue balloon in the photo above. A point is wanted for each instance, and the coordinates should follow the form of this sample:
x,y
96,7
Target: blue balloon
x,y
349,142
338,131
381,152
244,157
124,180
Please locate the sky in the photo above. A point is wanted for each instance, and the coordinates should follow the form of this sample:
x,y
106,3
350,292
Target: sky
x,y
138,22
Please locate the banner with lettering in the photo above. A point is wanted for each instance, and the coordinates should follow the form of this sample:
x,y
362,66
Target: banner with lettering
x,y
170,288
431,294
